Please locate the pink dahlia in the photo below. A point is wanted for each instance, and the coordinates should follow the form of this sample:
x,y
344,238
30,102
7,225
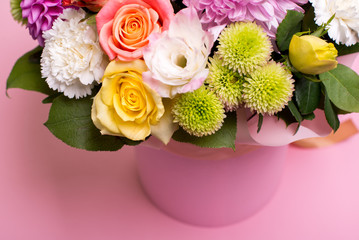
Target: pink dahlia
x,y
40,15
267,13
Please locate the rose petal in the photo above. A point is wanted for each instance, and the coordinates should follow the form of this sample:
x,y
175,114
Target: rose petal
x,y
162,89
165,128
195,83
135,132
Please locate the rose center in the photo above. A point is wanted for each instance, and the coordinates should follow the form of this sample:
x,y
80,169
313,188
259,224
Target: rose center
x,y
181,61
133,24
132,100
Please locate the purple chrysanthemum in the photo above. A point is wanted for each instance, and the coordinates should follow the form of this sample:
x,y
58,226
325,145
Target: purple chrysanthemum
x,y
267,13
40,15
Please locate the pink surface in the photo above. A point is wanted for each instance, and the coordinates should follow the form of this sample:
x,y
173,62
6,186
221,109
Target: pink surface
x,y
51,191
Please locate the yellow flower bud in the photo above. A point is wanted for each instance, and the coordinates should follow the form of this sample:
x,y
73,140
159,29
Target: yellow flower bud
x,y
312,55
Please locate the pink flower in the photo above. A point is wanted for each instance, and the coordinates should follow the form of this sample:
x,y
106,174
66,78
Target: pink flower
x,y
177,58
267,13
93,5
124,26
40,15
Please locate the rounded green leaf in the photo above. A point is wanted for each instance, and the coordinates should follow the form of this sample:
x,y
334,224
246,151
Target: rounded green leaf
x,y
290,25
70,121
307,95
342,87
26,73
330,114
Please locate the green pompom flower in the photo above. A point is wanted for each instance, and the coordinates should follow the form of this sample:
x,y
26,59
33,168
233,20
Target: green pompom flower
x,y
244,46
225,83
268,89
200,112
16,11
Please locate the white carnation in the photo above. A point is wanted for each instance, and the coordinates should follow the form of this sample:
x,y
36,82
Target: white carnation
x,y
345,26
72,61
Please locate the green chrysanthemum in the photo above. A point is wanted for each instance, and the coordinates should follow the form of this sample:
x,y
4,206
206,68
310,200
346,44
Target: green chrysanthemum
x,y
268,89
200,112
244,46
225,83
16,11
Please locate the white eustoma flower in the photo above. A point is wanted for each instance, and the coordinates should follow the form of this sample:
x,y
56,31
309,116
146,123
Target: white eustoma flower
x,y
177,58
345,26
72,61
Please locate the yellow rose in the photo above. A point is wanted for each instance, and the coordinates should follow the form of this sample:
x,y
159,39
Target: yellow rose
x,y
126,106
312,55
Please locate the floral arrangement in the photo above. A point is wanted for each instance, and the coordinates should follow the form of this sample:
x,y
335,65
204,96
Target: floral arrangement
x,y
120,72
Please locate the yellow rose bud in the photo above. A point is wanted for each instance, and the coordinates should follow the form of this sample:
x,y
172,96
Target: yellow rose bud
x,y
312,55
125,105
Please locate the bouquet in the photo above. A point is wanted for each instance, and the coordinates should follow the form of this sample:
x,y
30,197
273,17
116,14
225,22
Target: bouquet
x,y
210,73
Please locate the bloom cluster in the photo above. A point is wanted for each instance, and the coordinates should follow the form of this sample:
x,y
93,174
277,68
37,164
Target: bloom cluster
x,y
149,70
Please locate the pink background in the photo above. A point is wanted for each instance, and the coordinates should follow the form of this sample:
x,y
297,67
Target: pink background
x,y
51,191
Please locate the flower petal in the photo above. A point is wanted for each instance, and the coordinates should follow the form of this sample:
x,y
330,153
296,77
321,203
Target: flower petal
x,y
165,127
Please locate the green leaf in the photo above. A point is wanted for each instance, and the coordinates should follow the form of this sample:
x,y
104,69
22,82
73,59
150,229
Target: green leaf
x,y
342,87
70,121
290,25
295,112
51,98
344,50
309,116
307,95
26,73
260,122
224,137
286,116
330,114
308,20
91,20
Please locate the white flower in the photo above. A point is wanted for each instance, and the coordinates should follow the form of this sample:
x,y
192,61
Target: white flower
x,y
177,58
72,61
345,26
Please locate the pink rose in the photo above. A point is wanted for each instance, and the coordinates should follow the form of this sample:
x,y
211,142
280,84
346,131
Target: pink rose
x,y
124,26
